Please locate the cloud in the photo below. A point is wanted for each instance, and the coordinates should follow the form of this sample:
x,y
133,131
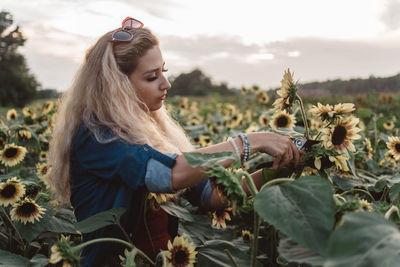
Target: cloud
x,y
310,58
391,14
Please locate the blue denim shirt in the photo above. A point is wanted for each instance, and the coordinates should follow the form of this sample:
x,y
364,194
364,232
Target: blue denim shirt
x,y
118,174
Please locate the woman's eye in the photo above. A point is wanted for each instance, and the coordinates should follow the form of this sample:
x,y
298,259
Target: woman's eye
x,y
164,70
152,78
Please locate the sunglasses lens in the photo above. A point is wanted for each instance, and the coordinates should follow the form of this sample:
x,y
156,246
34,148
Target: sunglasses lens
x,y
132,23
122,36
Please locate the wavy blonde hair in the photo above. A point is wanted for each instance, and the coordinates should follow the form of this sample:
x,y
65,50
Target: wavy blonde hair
x,y
102,95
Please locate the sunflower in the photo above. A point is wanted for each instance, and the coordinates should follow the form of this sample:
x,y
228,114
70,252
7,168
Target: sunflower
x,y
180,253
365,205
324,112
343,108
389,156
244,90
12,154
219,218
252,128
193,122
263,120
263,98
42,171
394,146
43,155
183,103
389,125
160,197
47,107
236,119
26,211
341,135
246,235
340,162
368,148
12,115
205,140
23,134
11,191
255,88
62,251
283,120
287,92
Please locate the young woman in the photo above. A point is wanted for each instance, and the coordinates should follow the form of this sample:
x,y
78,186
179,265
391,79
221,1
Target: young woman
x,y
114,142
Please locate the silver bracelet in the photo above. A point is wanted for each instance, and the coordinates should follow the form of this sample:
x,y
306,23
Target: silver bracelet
x,y
230,139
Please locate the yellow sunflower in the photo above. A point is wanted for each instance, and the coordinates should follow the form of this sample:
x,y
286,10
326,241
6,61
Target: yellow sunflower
x,y
183,103
389,156
252,128
263,120
12,154
394,146
255,88
287,92
324,112
205,140
219,218
23,134
42,171
340,162
160,197
263,97
26,211
236,119
193,122
365,205
283,119
389,125
11,191
180,253
43,155
343,108
243,90
246,235
48,106
368,148
12,115
342,134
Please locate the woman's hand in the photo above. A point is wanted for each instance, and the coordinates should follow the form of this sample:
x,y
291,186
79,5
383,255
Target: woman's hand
x,y
278,146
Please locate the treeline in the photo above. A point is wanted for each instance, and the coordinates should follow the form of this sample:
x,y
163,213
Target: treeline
x,y
353,86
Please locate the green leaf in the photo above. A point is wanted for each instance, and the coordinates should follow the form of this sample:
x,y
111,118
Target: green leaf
x,y
196,159
394,192
364,239
303,210
199,229
100,220
39,260
11,259
62,222
295,253
212,254
177,211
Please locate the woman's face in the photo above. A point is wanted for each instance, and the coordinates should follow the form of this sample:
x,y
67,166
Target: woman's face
x,y
148,79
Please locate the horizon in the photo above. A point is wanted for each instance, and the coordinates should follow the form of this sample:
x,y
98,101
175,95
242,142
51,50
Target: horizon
x,y
317,41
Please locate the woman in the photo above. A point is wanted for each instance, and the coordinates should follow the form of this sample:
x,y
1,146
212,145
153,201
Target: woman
x,y
114,142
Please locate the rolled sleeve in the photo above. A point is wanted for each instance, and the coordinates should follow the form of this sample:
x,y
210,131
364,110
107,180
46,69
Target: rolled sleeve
x,y
158,175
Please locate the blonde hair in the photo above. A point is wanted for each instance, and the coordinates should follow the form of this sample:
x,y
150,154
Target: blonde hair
x,y
102,95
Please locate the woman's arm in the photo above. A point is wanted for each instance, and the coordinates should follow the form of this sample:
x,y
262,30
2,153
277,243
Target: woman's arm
x,y
280,147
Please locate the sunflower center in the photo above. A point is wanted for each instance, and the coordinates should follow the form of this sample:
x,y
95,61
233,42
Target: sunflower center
x,y
8,191
219,213
44,170
246,237
13,116
181,257
339,135
26,209
11,152
397,147
265,121
282,122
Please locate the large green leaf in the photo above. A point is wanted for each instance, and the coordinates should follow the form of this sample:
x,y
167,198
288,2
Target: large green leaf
x,y
364,239
212,254
293,252
394,192
62,222
100,220
10,259
196,159
303,210
177,211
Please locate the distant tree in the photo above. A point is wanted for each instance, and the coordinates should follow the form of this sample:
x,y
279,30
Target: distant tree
x,y
47,93
17,85
196,83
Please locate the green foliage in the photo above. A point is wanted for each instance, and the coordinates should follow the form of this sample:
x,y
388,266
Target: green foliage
x,y
17,85
100,220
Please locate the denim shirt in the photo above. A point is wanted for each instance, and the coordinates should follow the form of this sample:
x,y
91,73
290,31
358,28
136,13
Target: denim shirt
x,y
118,174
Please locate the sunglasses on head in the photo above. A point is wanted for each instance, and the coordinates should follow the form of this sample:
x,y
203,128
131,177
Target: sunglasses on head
x,y
122,35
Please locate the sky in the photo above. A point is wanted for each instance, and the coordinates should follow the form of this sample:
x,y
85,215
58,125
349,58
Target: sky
x,y
238,42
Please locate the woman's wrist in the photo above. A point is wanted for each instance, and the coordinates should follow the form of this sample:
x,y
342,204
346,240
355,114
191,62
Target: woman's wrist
x,y
256,140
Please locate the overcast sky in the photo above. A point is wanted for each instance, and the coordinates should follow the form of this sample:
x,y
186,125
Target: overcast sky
x,y
238,42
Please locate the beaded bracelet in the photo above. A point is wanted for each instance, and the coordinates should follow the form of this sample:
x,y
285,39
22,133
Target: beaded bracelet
x,y
230,139
246,147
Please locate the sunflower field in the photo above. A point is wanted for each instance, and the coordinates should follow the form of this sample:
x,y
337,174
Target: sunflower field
x,y
339,208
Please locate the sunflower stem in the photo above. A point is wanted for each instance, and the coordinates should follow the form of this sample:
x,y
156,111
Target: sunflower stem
x,y
256,232
358,190
304,116
250,184
146,226
109,239
227,252
13,226
277,181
